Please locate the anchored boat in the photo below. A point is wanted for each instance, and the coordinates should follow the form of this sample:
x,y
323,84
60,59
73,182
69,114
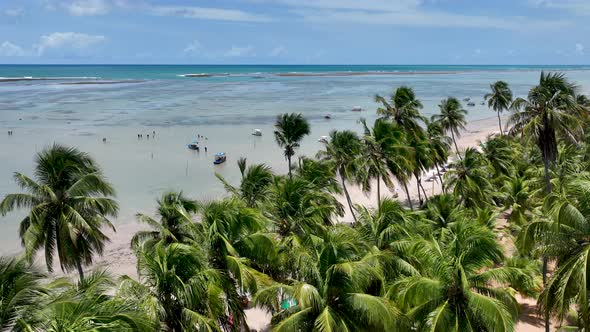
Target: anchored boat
x,y
219,158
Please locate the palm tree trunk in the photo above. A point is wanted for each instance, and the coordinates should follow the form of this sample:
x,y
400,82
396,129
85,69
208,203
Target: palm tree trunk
x,y
289,161
442,184
456,147
418,187
347,197
80,270
500,124
544,269
423,190
408,195
378,192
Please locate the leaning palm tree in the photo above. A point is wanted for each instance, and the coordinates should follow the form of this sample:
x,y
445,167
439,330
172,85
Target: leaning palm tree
x,y
68,204
440,144
289,131
344,150
175,223
452,118
462,285
20,290
335,296
403,109
499,99
550,112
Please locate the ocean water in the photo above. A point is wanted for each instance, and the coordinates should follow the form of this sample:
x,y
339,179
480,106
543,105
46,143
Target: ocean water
x,y
46,104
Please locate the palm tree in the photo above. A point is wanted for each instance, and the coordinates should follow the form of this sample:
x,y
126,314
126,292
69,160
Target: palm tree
x,y
177,288
290,130
344,150
561,233
439,147
20,289
85,306
469,179
256,180
462,285
422,161
451,118
69,204
442,211
403,109
550,110
175,223
499,99
335,296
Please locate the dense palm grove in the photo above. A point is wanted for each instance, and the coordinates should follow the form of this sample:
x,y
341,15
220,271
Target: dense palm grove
x,y
512,220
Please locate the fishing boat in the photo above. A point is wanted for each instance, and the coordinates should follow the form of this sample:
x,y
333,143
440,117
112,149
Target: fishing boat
x,y
328,116
323,139
219,158
466,99
357,109
257,132
471,104
193,146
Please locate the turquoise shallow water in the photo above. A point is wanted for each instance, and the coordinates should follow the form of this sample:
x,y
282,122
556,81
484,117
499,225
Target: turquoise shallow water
x,y
223,108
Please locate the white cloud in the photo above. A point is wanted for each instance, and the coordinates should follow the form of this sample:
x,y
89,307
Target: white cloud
x,y
193,48
86,7
237,51
579,49
278,51
578,7
65,43
208,13
14,12
8,49
373,5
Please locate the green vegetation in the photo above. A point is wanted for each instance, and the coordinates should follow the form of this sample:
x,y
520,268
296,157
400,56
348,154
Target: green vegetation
x,y
513,219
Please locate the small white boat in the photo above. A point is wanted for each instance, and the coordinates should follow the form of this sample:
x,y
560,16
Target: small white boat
x,y
323,139
357,109
257,132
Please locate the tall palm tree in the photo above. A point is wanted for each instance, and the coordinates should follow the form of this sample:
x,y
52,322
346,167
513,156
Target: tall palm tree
x,y
422,160
440,144
69,204
256,180
403,109
20,289
335,297
550,110
462,285
499,99
344,149
175,224
289,131
177,288
452,118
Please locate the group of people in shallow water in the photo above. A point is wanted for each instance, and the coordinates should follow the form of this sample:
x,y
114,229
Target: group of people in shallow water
x,y
10,133
201,136
140,136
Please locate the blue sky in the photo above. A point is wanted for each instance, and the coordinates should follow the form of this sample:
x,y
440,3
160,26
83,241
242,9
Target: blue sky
x,y
295,31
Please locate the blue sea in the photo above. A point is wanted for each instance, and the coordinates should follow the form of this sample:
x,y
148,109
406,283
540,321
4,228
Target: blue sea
x,y
82,104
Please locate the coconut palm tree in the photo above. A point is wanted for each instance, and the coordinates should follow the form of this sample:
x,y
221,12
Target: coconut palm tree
x,y
441,211
403,109
335,297
440,144
20,289
175,225
550,112
344,151
451,118
462,285
177,288
255,183
499,99
85,306
68,204
469,179
560,233
289,131
422,161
